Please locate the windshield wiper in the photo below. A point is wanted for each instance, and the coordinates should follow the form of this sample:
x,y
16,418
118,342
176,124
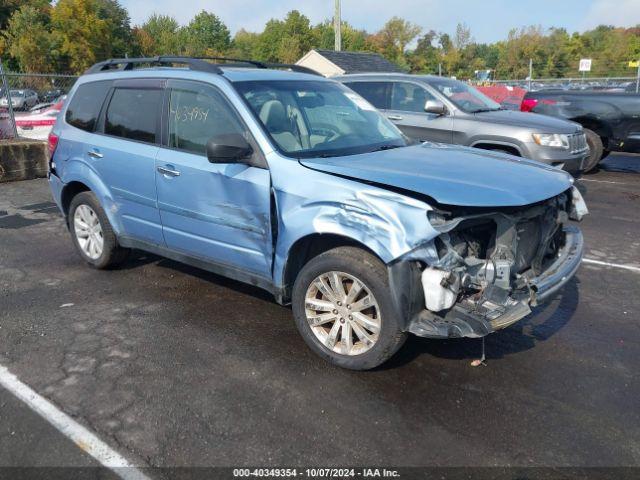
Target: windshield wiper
x,y
487,110
385,147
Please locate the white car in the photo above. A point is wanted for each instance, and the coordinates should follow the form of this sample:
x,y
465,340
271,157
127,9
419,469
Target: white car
x,y
38,123
20,99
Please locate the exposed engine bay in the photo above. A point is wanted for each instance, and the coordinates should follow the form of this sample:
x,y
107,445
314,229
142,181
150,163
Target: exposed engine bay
x,y
488,267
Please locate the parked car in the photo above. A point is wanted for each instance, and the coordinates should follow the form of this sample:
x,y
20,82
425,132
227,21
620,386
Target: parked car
x,y
295,184
38,123
611,121
20,99
439,109
51,95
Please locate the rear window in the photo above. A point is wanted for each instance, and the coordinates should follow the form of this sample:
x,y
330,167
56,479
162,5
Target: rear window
x,y
377,93
85,105
133,114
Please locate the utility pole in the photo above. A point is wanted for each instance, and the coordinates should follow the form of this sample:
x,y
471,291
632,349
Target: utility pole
x,y
530,72
439,69
337,27
638,78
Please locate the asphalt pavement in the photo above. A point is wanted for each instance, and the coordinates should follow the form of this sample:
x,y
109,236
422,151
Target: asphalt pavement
x,y
180,367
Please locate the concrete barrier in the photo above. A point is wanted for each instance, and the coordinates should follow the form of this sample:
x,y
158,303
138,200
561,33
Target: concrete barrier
x,y
22,160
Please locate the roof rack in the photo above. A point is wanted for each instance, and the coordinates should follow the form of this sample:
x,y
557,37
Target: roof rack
x,y
193,63
128,64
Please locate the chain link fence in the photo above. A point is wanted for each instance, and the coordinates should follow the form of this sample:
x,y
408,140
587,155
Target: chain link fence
x,y
510,93
30,102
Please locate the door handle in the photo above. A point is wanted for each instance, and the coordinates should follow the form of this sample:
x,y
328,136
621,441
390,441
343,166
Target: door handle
x,y
169,172
94,154
394,117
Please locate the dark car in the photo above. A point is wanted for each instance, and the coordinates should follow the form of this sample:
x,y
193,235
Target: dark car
x,y
611,121
51,95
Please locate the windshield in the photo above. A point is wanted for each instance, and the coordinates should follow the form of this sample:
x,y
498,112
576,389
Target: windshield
x,y
17,93
318,118
464,96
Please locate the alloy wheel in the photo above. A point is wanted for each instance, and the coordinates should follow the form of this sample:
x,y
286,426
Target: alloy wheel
x,y
88,231
343,313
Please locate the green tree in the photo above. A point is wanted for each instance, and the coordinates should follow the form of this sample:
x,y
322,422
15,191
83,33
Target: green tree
x,y
285,41
352,39
245,44
393,38
206,35
119,26
426,56
28,40
159,35
82,37
9,7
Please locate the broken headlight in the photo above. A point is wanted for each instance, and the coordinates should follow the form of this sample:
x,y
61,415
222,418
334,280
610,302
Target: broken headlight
x,y
578,205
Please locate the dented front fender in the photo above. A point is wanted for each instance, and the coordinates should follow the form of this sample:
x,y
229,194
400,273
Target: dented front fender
x,y
388,223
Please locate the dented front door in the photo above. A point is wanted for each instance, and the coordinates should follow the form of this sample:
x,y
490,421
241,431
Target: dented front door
x,y
216,212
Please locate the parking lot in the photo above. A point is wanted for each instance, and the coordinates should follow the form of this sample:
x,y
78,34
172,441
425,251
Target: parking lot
x,y
174,366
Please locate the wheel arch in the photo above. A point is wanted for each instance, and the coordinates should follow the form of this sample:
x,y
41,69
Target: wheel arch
x,y
69,191
79,178
308,247
493,145
597,126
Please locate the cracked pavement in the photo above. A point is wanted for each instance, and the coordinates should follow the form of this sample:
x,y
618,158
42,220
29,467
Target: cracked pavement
x,y
181,367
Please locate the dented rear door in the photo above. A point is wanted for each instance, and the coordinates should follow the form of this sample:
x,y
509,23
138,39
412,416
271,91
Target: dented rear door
x,y
217,212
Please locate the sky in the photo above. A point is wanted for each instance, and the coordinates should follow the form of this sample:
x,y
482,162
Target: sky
x,y
489,20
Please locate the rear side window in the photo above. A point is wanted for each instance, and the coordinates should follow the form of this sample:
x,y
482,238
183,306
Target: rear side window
x,y
85,105
133,114
377,93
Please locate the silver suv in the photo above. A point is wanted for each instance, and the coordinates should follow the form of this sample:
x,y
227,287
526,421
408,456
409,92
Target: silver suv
x,y
439,109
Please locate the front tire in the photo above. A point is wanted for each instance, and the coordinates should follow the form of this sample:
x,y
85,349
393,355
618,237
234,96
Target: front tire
x,y
596,150
343,309
92,233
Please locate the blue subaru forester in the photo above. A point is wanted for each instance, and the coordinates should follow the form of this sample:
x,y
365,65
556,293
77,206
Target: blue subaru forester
x,y
296,184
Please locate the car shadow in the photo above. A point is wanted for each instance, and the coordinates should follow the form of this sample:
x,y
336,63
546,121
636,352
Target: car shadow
x,y
215,279
620,163
542,324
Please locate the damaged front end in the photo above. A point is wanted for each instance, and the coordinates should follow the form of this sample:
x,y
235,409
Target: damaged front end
x,y
488,267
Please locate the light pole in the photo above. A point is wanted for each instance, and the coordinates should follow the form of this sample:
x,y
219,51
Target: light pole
x,y
337,27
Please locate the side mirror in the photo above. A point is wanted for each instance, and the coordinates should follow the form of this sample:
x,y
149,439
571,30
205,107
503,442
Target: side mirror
x,y
228,148
435,106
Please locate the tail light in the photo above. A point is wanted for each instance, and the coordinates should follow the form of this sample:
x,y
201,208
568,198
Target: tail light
x,y
52,142
528,104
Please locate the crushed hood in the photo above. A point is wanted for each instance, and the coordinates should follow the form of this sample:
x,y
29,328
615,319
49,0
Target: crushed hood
x,y
452,175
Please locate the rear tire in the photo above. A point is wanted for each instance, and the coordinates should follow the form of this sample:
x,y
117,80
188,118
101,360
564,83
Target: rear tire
x,y
92,233
596,150
358,331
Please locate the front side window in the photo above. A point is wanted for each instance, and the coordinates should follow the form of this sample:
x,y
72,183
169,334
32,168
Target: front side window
x,y
86,103
196,114
318,118
133,114
464,96
409,97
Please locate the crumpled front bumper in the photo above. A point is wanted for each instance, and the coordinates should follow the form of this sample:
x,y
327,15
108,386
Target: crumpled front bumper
x,y
563,269
464,320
